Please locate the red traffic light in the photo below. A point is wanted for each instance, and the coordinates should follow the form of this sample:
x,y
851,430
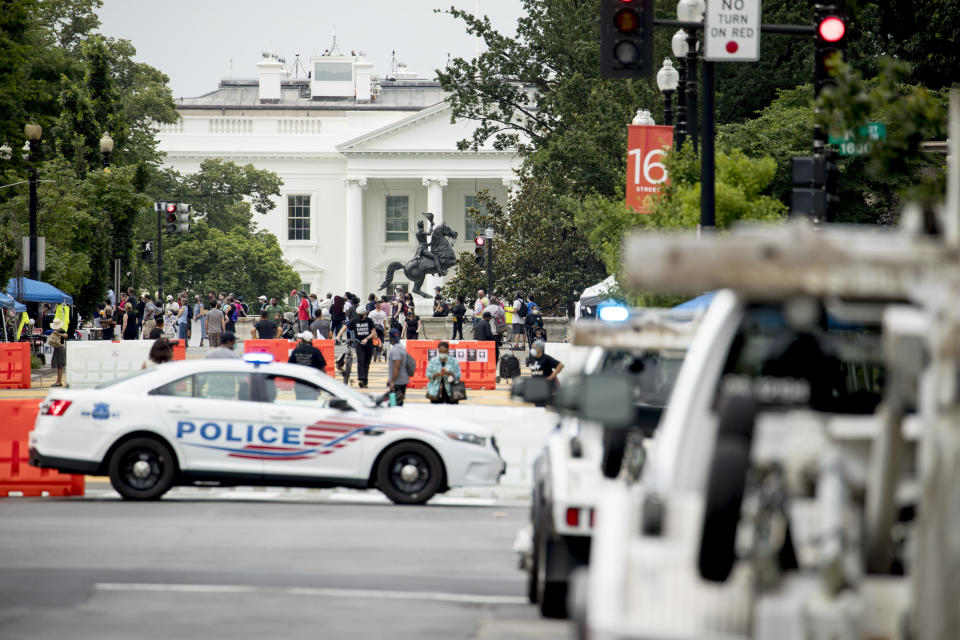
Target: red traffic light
x,y
479,241
171,207
832,29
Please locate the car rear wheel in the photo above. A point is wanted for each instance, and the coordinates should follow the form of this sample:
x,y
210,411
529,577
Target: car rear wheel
x,y
142,469
552,594
410,473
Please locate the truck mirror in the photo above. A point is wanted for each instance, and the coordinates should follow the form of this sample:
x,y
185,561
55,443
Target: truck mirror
x,y
535,390
606,399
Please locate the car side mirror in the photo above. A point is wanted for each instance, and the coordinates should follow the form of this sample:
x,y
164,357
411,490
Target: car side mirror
x,y
602,398
340,404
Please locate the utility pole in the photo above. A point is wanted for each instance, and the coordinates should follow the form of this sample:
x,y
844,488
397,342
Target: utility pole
x,y
159,255
489,234
707,157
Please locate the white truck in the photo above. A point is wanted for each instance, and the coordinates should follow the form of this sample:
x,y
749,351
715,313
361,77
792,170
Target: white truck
x,y
802,482
647,351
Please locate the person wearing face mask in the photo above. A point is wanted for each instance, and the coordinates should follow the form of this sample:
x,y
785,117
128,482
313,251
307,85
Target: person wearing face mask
x,y
541,364
442,372
363,331
532,322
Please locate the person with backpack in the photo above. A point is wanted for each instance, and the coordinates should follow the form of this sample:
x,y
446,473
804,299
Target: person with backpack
x,y
519,315
398,373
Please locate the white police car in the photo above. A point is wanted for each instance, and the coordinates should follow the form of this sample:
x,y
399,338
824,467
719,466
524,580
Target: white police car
x,y
247,423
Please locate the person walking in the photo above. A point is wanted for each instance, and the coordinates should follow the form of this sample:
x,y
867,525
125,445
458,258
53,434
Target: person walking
x,y
306,354
200,313
216,325
442,372
56,341
129,328
150,313
364,331
321,326
413,326
459,312
265,329
397,378
379,321
336,314
224,349
519,315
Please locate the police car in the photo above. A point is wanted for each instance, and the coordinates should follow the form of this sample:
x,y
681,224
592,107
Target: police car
x,y
238,422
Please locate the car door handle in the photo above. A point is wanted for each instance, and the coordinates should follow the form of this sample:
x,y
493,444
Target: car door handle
x,y
373,432
280,416
178,412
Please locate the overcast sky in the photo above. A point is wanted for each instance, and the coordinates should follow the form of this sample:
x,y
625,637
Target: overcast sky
x,y
198,42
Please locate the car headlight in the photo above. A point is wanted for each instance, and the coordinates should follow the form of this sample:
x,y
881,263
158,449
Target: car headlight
x,y
466,437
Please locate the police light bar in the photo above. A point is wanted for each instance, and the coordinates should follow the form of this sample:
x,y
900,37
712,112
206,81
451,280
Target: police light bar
x,y
257,359
613,313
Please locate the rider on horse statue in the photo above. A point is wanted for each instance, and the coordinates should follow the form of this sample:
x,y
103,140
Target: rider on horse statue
x,y
423,250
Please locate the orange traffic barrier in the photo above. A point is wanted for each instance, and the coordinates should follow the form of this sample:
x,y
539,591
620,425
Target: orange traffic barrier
x,y
478,363
17,416
279,348
421,351
179,349
326,348
14,365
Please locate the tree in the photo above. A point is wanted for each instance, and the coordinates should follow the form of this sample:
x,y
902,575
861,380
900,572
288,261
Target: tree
x,y
538,249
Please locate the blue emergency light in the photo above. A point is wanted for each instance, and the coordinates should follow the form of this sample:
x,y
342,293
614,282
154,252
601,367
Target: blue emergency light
x,y
257,359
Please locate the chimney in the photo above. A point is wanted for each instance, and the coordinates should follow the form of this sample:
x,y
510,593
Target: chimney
x,y
270,70
363,70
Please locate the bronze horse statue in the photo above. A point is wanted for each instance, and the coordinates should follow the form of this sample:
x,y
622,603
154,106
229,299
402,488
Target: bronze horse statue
x,y
419,267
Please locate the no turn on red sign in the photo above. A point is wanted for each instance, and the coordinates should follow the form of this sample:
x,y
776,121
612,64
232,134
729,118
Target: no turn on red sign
x,y
732,29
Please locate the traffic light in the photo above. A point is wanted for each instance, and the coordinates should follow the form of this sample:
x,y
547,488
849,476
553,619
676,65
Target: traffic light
x,y
816,179
626,38
478,255
831,43
176,216
146,251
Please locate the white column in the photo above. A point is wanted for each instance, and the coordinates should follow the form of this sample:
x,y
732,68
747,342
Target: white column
x,y
435,197
435,206
354,267
510,182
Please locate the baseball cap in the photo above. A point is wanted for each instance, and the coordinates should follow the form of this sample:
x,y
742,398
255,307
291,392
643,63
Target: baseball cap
x,y
294,292
394,333
169,297
262,298
305,335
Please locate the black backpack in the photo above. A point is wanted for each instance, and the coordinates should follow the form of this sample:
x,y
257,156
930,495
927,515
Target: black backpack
x,y
522,311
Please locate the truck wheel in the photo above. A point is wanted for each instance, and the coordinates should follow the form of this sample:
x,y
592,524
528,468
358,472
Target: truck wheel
x,y
614,445
728,476
534,569
142,469
552,595
409,473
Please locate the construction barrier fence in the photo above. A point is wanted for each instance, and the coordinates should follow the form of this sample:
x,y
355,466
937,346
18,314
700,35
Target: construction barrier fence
x,y
14,365
478,362
17,416
281,349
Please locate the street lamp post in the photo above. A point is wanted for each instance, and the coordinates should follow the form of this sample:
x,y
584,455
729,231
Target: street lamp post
x,y
667,81
679,45
31,154
691,11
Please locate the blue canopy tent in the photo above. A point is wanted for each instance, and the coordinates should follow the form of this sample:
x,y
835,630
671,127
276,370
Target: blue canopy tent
x,y
700,303
6,302
36,291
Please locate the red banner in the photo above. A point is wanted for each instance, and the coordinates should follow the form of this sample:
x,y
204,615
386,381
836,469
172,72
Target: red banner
x,y
646,145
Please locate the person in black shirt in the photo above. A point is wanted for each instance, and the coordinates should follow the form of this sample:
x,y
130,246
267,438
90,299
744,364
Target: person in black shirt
x,y
264,328
157,331
541,364
440,307
413,326
306,354
459,311
483,331
364,330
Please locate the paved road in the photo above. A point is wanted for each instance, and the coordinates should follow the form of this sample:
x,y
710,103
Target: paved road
x,y
261,569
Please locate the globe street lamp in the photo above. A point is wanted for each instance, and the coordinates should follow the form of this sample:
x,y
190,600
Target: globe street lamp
x,y
667,81
691,11
106,148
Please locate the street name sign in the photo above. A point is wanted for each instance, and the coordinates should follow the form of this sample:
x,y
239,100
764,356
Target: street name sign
x,y
732,31
858,143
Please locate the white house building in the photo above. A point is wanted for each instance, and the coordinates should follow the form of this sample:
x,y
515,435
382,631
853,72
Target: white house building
x,y
360,159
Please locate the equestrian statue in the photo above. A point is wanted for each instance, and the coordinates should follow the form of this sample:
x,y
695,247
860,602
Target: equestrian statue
x,y
433,258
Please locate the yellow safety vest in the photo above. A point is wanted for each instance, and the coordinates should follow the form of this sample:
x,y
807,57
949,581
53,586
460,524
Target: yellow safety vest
x,y
24,319
63,313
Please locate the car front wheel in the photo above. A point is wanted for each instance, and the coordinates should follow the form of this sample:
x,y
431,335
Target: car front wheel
x,y
410,473
142,469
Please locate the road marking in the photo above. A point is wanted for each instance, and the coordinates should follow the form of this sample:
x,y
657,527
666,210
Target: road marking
x,y
315,592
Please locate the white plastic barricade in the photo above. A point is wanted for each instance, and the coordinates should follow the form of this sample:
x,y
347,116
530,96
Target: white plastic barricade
x,y
94,362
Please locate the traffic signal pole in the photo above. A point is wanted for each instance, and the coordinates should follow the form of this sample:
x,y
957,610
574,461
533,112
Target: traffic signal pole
x,y
160,213
489,266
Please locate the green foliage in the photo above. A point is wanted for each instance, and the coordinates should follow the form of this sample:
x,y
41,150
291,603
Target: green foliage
x,y
223,251
538,249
